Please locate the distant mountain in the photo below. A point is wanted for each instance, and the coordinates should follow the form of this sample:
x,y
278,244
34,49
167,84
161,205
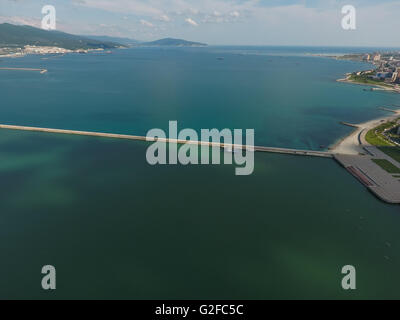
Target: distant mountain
x,y
125,41
19,36
170,42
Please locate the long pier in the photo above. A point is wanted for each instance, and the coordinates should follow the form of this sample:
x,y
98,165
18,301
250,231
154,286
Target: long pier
x,y
309,153
25,69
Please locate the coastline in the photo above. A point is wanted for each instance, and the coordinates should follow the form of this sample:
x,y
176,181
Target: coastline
x,y
351,144
42,50
376,86
12,55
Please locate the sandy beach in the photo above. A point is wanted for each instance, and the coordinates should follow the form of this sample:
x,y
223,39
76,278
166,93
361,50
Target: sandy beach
x,y
353,143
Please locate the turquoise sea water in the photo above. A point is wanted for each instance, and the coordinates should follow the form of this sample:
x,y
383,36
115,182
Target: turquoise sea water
x,y
116,227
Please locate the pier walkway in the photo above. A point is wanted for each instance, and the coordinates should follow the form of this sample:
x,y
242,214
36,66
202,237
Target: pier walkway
x,y
309,153
25,69
383,184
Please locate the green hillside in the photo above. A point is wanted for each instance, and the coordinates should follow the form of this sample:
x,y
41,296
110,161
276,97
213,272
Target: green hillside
x,y
19,36
174,43
124,41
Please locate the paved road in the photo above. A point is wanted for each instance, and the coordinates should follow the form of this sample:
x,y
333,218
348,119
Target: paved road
x,y
383,184
376,179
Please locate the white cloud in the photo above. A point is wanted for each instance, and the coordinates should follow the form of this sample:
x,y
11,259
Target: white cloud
x,y
158,8
137,7
164,18
191,22
224,21
146,23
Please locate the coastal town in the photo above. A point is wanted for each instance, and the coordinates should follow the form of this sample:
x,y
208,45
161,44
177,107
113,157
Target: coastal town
x,y
371,152
385,74
39,50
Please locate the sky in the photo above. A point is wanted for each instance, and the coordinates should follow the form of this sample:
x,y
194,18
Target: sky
x,y
220,22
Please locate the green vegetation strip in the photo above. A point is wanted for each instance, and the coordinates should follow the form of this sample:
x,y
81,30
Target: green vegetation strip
x,y
393,152
366,80
376,138
386,165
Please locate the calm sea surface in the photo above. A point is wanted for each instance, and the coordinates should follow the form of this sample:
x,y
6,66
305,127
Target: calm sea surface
x,y
116,227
